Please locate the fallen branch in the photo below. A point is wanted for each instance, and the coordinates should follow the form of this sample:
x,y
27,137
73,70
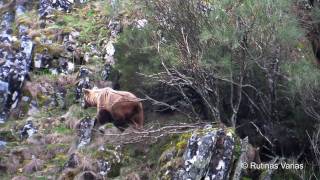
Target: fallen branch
x,y
153,134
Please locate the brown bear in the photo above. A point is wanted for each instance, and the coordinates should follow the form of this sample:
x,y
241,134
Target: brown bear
x,y
119,107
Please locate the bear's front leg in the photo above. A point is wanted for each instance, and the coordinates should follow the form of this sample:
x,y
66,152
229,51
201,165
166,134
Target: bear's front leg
x,y
96,122
120,124
102,117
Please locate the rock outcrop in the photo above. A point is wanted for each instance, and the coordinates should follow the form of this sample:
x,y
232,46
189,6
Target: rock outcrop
x,y
208,155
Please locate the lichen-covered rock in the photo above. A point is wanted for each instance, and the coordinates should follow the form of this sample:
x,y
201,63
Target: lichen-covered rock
x,y
74,161
15,66
104,167
27,130
110,50
33,108
4,89
208,155
114,27
65,67
198,155
221,159
85,131
141,23
2,144
83,82
42,60
47,6
106,71
109,161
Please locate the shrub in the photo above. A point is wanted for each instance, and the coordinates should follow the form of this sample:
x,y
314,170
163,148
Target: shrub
x,y
136,53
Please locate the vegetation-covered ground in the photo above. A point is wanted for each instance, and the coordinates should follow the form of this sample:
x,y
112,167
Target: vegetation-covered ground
x,y
247,67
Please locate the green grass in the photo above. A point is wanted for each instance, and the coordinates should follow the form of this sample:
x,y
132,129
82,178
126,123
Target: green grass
x,y
62,129
59,160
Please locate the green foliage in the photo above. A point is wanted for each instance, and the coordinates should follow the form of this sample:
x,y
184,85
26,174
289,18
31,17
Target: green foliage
x,y
303,74
316,14
135,52
70,96
262,22
44,72
7,136
303,91
89,20
78,112
56,146
41,178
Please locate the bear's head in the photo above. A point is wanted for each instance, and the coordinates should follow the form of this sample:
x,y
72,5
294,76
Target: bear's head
x,y
89,98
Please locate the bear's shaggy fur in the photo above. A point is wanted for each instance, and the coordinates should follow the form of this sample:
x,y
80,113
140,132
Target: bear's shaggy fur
x,y
120,107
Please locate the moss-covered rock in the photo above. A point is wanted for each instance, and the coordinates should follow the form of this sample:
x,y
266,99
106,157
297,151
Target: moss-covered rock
x,y
196,155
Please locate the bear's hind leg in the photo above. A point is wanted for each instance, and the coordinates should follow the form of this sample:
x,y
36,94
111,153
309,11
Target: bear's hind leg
x,y
137,120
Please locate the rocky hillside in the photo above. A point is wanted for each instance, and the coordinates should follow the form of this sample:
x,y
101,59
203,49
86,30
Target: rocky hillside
x,y
215,99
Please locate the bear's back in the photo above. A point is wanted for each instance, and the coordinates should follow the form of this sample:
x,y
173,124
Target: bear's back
x,y
109,97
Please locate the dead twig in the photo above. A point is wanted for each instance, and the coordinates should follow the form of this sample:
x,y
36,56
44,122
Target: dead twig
x,y
258,130
153,134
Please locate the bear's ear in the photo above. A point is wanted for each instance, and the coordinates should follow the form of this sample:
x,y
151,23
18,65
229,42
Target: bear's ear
x,y
85,91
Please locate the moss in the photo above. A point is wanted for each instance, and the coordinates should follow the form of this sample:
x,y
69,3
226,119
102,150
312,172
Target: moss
x,y
5,176
101,155
89,21
181,145
79,112
70,96
62,129
108,125
16,44
12,144
237,148
24,20
115,170
183,141
178,141
54,49
170,167
246,178
43,75
24,108
41,178
55,146
7,136
59,160
42,99
107,155
46,112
